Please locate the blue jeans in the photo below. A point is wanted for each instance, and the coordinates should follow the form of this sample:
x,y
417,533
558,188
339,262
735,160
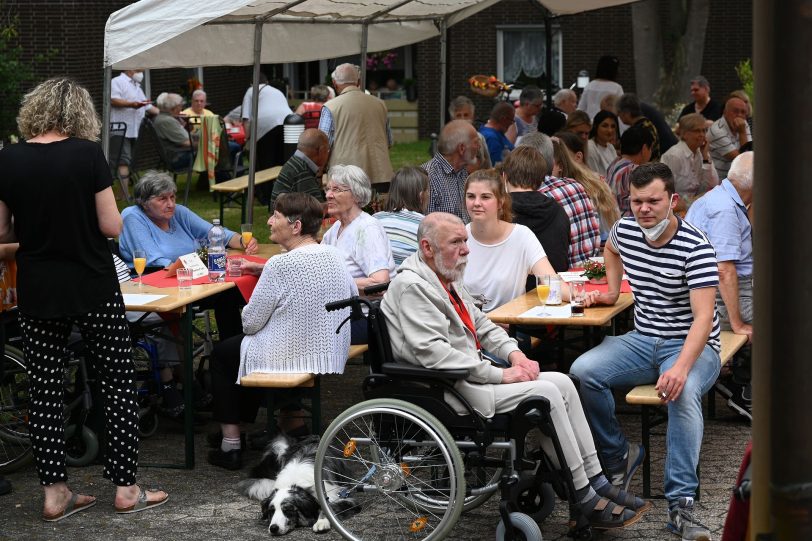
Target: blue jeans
x,y
634,359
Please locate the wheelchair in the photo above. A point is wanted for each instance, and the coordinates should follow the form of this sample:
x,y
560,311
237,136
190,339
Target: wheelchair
x,y
408,458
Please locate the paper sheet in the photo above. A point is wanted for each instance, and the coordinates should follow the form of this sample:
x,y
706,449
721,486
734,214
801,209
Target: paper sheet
x,y
549,311
140,298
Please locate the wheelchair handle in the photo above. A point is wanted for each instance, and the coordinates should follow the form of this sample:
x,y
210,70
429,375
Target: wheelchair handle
x,y
345,303
378,288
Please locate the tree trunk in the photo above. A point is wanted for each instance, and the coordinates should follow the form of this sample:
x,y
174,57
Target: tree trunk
x,y
648,47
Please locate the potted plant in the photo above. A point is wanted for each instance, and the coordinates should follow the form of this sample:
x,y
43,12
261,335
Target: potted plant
x,y
410,86
595,271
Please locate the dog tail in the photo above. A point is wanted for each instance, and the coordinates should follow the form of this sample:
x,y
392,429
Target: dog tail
x,y
256,489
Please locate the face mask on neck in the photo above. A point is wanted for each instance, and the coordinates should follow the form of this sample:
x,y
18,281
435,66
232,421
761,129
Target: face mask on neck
x,y
138,76
656,231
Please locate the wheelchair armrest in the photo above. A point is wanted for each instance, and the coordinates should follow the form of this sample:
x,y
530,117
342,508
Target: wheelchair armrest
x,y
418,372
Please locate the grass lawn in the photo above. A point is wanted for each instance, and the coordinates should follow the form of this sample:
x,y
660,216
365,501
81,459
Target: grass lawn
x,y
207,207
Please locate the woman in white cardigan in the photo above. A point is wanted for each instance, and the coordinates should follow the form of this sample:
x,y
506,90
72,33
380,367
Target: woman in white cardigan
x,y
286,326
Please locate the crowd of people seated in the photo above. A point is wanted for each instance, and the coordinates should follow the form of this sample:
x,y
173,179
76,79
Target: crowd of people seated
x,y
450,230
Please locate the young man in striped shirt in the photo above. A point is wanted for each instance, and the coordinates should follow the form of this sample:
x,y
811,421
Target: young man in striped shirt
x,y
673,274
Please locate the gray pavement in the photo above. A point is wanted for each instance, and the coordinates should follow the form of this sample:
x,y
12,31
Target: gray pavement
x,y
204,503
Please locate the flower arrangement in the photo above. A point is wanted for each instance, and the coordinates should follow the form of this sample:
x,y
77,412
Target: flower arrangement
x,y
383,60
594,270
488,86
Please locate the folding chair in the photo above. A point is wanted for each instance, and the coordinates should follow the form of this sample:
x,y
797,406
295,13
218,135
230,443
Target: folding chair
x,y
150,153
118,131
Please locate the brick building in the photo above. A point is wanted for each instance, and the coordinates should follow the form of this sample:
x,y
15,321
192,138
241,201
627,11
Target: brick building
x,y
73,32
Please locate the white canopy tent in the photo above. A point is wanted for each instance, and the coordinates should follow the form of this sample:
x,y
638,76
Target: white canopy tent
x,y
185,33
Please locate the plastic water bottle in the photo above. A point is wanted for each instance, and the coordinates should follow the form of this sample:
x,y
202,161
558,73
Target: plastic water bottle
x,y
217,252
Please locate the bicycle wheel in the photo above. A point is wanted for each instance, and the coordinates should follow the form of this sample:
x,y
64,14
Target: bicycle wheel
x,y
15,442
375,453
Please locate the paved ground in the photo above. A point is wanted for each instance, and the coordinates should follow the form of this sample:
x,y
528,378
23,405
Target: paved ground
x,y
205,505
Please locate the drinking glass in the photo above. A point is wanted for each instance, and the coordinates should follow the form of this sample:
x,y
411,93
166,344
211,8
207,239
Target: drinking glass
x,y
543,289
139,264
234,267
184,280
247,233
577,296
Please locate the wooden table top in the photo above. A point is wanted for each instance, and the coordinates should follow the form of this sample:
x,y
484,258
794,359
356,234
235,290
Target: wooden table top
x,y
241,183
174,300
595,316
263,250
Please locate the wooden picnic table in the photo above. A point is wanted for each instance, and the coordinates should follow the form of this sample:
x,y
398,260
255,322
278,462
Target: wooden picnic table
x,y
234,189
594,316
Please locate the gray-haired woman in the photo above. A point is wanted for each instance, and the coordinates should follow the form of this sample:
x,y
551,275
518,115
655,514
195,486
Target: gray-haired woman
x,y
171,132
359,238
59,167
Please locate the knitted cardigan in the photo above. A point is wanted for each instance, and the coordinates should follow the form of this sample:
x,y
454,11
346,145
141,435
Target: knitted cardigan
x,y
286,326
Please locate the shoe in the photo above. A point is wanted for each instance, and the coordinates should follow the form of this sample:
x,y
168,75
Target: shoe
x,y
741,401
603,514
72,507
141,504
230,460
214,439
5,486
684,523
634,458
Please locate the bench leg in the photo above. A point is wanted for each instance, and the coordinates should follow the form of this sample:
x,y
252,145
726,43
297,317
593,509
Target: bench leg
x,y
315,407
222,204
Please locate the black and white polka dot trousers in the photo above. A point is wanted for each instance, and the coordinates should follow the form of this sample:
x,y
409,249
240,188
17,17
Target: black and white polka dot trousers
x,y
107,337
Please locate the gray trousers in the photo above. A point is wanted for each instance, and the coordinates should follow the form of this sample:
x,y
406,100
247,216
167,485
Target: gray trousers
x,y
745,303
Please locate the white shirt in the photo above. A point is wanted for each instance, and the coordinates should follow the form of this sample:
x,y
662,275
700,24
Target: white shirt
x,y
692,178
721,141
272,110
364,245
499,271
124,88
599,158
594,92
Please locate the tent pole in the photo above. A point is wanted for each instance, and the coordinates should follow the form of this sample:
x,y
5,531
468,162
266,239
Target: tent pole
x,y
105,130
548,54
364,39
252,143
443,70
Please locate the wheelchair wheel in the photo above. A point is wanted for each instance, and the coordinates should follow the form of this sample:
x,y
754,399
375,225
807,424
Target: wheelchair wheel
x,y
536,499
375,458
15,442
147,422
524,528
82,447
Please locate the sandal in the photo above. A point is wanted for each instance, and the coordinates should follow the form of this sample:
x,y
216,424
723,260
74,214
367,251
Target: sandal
x,y
141,504
607,515
71,508
627,499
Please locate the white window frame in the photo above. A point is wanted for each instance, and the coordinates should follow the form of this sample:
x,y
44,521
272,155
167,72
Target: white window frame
x,y
500,49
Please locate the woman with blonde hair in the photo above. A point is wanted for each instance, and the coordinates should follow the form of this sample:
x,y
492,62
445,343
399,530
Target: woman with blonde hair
x,y
595,186
502,254
57,186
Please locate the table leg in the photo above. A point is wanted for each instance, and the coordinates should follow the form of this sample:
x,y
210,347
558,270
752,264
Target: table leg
x,y
188,388
222,204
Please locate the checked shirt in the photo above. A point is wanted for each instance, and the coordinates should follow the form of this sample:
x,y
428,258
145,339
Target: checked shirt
x,y
446,187
585,235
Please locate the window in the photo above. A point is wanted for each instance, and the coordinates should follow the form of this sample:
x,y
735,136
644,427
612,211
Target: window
x,y
522,49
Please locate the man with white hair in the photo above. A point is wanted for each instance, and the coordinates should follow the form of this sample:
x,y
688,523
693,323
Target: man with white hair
x,y
457,148
722,214
357,126
198,107
565,101
128,104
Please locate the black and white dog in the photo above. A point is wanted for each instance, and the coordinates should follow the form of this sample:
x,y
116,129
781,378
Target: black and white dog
x,y
285,484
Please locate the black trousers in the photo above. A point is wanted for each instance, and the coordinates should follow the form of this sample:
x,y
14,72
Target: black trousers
x,y
107,337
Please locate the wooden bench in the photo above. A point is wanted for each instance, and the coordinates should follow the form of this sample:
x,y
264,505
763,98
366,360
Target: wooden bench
x,y
304,380
234,189
646,397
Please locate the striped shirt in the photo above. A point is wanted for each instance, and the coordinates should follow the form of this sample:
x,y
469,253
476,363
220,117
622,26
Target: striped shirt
x,y
585,229
401,228
122,272
662,278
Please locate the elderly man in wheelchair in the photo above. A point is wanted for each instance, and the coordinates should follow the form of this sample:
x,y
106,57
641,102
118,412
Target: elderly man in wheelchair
x,y
430,381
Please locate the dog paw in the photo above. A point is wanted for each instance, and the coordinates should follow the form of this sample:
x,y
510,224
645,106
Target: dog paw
x,y
322,525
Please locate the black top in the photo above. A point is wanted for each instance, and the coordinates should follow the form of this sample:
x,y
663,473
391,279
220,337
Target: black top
x,y
664,132
548,220
712,111
64,266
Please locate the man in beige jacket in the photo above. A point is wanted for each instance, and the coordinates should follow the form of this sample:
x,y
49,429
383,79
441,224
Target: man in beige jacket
x,y
357,126
433,322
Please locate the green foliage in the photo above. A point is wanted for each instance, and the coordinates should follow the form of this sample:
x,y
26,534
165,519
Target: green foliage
x,y
13,72
744,70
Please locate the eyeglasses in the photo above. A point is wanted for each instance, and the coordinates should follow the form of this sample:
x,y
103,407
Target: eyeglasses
x,y
335,190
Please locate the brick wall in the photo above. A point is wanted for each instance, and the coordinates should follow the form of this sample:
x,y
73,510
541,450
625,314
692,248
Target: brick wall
x,y
585,37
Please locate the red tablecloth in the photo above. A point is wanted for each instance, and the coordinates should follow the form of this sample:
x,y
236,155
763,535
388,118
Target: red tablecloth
x,y
245,283
604,288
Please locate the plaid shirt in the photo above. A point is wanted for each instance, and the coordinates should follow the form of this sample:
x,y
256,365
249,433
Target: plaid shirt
x,y
446,187
585,234
617,175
